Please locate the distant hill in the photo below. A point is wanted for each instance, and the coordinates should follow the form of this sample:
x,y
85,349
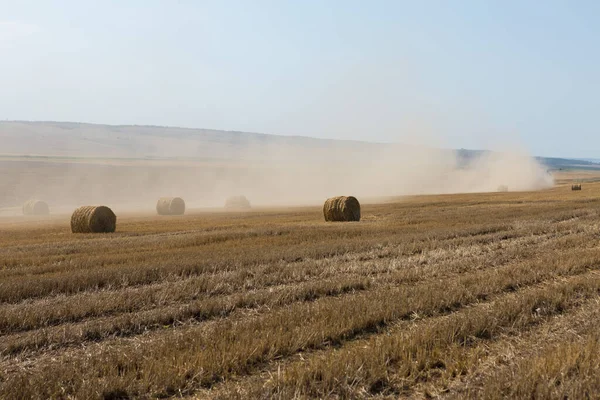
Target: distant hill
x,y
592,160
81,140
565,163
68,139
551,163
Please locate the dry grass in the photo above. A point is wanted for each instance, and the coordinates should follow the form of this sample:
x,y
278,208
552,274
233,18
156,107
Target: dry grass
x,y
434,296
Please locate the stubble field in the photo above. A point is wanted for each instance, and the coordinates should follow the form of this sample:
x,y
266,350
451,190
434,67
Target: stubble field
x,y
476,295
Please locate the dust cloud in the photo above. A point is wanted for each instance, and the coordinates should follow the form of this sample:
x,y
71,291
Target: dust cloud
x,y
396,170
269,170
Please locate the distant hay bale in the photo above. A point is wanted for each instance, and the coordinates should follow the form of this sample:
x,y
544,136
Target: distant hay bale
x,y
576,187
237,203
93,219
503,188
170,206
35,207
342,208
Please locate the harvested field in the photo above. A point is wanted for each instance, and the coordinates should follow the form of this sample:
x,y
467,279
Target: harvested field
x,y
461,296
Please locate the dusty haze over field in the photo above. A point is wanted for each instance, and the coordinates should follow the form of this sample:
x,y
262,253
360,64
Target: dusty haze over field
x,y
129,167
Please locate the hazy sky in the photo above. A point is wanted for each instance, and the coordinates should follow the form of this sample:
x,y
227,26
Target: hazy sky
x,y
473,74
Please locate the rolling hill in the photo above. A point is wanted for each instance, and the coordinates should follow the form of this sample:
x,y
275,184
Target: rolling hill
x,y
82,140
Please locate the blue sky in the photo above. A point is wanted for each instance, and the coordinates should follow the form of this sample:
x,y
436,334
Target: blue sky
x,y
472,74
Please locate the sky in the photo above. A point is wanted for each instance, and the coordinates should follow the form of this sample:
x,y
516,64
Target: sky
x,y
460,74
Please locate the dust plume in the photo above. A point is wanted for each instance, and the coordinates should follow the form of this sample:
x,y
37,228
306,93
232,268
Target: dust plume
x,y
129,168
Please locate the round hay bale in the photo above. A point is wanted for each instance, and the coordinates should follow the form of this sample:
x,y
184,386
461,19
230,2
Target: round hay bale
x,y
237,203
93,219
36,207
342,208
170,206
576,187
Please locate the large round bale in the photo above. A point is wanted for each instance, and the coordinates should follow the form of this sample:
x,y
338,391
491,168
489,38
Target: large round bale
x,y
237,203
342,208
576,187
36,207
93,219
170,206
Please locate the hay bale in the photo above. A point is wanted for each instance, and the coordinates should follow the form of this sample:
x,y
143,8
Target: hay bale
x,y
503,188
576,187
93,219
170,206
36,207
342,208
237,203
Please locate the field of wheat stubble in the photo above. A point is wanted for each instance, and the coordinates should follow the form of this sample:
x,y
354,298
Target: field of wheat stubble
x,y
490,295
